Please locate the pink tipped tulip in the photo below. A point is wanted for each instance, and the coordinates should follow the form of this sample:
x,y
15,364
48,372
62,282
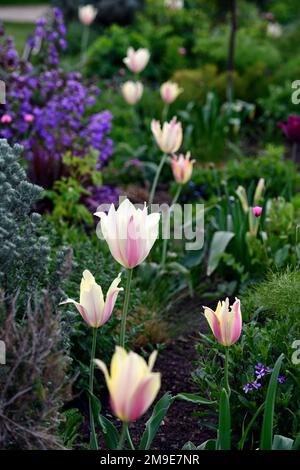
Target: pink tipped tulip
x,y
182,167
132,385
129,232
225,322
92,307
28,118
132,91
87,14
6,119
169,137
169,91
137,60
257,211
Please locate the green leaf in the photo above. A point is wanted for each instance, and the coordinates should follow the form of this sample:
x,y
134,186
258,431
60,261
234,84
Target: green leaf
x,y
96,408
211,444
152,425
296,444
267,427
224,435
110,433
249,426
189,446
218,246
193,398
282,443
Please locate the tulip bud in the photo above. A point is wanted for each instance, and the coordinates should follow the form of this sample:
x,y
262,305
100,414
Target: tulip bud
x,y
182,168
132,91
129,232
91,306
87,14
169,137
259,190
131,383
137,60
169,91
225,322
257,211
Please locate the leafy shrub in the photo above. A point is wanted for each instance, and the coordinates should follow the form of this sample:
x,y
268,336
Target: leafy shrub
x,y
27,261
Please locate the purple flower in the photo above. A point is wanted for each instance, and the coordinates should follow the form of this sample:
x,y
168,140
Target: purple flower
x,y
256,384
281,379
60,103
247,388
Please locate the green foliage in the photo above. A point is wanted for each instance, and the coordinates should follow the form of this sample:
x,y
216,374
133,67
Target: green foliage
x,y
27,264
271,324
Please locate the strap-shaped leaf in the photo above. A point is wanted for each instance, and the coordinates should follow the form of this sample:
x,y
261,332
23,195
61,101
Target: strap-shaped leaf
x,y
224,434
266,437
193,398
211,444
154,422
110,433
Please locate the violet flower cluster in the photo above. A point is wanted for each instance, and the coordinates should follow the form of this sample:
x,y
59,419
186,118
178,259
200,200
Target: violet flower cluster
x,y
48,111
260,372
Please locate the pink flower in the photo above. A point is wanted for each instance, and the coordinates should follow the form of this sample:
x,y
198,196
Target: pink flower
x,y
291,128
137,60
225,322
28,118
129,232
182,167
87,14
169,91
182,50
257,211
6,119
131,383
169,136
92,307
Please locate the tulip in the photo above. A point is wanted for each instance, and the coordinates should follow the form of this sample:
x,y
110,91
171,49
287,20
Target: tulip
x,y
130,234
169,91
169,137
6,119
257,211
95,313
226,326
131,383
225,323
274,30
182,50
291,128
259,190
132,91
137,60
182,167
174,4
87,14
92,307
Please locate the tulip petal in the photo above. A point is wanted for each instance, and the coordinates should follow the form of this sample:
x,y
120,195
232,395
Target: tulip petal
x,y
214,323
111,298
79,307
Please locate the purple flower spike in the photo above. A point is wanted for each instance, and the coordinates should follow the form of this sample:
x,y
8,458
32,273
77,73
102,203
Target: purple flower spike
x,y
256,385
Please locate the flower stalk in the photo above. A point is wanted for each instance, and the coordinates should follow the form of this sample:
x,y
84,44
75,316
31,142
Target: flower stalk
x,y
93,437
125,308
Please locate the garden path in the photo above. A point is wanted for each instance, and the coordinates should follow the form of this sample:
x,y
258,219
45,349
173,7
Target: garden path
x,y
22,14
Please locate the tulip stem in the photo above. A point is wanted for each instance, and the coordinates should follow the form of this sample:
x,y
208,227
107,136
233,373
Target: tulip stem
x,y
93,437
84,42
155,181
123,435
125,308
226,367
165,240
128,437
